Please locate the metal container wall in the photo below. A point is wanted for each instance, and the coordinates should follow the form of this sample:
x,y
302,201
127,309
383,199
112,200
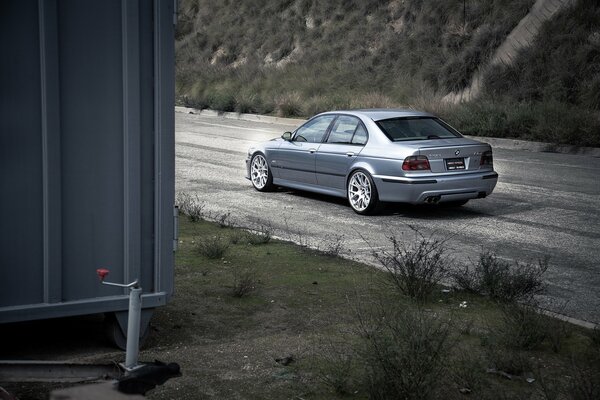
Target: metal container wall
x,y
86,154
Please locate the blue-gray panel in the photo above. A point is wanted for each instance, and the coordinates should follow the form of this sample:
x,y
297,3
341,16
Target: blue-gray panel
x,y
86,154
91,114
21,233
147,141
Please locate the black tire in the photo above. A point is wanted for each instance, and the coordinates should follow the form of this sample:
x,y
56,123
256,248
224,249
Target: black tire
x,y
258,168
362,193
115,335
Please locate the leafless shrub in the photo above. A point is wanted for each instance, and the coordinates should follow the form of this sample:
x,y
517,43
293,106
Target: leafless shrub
x,y
335,247
260,235
190,205
224,220
502,281
404,353
301,238
245,281
238,236
415,269
594,336
338,366
507,361
522,327
212,247
548,388
585,378
466,371
558,330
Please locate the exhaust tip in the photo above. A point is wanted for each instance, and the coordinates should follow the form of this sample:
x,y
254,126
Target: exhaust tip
x,y
432,199
481,195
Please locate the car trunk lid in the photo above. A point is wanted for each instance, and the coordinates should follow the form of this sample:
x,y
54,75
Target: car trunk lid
x,y
453,155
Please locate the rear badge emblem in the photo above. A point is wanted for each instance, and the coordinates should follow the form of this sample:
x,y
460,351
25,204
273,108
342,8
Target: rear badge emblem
x,y
457,152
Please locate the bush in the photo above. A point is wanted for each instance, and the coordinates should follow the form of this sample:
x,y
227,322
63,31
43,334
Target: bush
x,y
502,281
190,205
335,246
261,235
415,270
585,379
522,327
289,105
338,366
507,361
245,281
212,247
405,353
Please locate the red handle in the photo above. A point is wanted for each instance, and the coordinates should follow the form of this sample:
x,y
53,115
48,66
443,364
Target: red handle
x,y
102,272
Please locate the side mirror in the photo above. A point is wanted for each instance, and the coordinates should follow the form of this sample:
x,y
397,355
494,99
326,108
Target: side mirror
x,y
287,136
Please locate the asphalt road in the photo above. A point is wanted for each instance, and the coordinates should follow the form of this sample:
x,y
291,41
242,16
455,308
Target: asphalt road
x,y
545,204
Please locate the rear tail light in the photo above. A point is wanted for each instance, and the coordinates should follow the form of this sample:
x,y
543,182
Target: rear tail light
x,y
416,163
487,158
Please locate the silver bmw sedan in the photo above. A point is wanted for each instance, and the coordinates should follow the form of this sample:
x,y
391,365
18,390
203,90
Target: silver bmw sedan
x,y
375,156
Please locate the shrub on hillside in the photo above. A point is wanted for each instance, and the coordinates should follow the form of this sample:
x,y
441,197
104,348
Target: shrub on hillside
x,y
289,105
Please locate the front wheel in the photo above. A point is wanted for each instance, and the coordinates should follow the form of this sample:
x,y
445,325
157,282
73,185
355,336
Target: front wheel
x,y
260,173
362,193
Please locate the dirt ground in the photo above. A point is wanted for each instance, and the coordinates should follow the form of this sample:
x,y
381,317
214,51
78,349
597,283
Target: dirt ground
x,y
273,343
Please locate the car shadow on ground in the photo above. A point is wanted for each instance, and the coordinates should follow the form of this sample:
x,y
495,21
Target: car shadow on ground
x,y
421,211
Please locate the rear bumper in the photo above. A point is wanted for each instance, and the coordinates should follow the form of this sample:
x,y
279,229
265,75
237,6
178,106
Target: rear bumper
x,y
435,188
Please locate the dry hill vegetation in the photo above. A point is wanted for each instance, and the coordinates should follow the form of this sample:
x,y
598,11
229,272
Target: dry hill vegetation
x,y
300,57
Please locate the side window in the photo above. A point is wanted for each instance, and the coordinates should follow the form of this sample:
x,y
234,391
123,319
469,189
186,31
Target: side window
x,y
343,129
314,130
360,136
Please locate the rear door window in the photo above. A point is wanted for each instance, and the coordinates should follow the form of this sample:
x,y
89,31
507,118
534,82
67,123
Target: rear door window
x,y
347,130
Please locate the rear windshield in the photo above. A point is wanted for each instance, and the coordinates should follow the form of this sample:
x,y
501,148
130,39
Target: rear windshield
x,y
416,128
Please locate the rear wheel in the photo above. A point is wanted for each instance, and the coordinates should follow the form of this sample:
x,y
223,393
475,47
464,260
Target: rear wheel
x,y
362,193
260,173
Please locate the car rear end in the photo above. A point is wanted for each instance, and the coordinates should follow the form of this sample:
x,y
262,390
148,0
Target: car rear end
x,y
439,166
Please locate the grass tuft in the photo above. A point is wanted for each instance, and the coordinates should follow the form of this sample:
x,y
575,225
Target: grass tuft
x,y
213,246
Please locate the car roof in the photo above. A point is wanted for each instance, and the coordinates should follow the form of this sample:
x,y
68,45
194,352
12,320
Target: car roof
x,y
378,114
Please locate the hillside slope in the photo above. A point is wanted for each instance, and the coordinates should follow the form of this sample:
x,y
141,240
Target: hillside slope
x,y
299,57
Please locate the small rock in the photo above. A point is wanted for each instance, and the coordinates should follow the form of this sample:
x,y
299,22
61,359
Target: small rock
x,y
465,390
530,380
445,290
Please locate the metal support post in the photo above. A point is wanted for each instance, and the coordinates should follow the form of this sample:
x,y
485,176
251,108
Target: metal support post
x,y
133,328
133,320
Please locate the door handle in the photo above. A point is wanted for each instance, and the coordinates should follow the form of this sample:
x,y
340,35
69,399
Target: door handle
x,y
312,150
350,154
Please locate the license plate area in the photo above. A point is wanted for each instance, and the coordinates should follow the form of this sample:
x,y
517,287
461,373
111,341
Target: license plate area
x,y
452,164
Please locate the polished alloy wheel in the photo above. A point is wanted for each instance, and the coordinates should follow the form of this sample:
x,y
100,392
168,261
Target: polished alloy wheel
x,y
359,191
259,171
